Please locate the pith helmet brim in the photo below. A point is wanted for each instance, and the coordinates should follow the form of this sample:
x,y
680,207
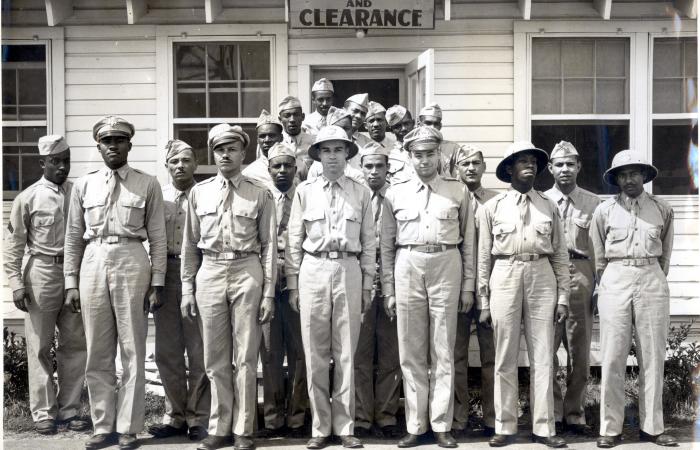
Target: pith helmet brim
x,y
650,172
542,159
314,149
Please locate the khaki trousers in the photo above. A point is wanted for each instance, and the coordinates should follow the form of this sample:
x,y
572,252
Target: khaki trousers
x,y
187,394
575,333
330,298
632,298
377,397
487,354
228,294
114,280
523,292
427,296
280,336
43,282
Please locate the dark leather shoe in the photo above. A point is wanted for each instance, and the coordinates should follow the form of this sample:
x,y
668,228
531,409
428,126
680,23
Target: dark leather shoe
x,y
488,431
391,432
350,441
46,426
501,440
362,432
549,441
607,441
162,430
663,439
445,439
297,433
317,442
243,442
197,433
128,442
213,442
76,423
579,429
101,440
409,440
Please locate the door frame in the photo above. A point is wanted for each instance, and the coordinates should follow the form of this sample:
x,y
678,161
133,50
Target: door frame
x,y
349,72
308,62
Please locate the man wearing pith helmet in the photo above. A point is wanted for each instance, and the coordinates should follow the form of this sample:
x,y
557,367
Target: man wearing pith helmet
x,y
376,125
331,252
269,132
523,278
400,122
282,334
632,234
186,386
470,165
427,251
37,223
110,275
322,94
229,271
431,116
576,206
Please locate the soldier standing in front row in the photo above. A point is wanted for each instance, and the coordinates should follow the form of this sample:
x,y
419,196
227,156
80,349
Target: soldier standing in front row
x,y
576,208
331,252
470,165
523,278
186,386
229,266
427,251
112,211
632,234
37,221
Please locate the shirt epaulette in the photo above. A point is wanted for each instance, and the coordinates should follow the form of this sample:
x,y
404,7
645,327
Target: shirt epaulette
x,y
401,181
254,182
140,171
542,194
205,181
609,202
93,171
447,178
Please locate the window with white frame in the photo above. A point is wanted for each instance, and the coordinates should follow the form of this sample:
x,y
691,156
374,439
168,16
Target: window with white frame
x,y
215,82
581,94
674,129
24,113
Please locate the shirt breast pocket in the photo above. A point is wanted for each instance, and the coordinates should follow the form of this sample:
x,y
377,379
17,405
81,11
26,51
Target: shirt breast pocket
x,y
245,216
206,213
94,211
544,237
132,210
448,224
502,235
43,226
314,221
653,240
582,223
353,223
407,223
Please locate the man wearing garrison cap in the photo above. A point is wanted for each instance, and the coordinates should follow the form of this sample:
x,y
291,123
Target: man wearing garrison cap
x,y
431,116
229,270
576,207
186,386
37,223
376,125
322,99
358,106
427,251
400,122
109,275
292,117
282,334
269,132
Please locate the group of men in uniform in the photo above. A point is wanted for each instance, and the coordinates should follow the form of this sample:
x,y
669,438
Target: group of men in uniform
x,y
363,259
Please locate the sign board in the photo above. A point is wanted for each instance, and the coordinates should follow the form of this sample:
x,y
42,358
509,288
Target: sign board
x,y
361,14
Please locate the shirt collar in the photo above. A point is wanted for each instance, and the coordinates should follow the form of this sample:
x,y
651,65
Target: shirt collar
x,y
574,195
479,192
516,194
236,180
276,193
382,191
627,201
123,171
50,184
342,180
434,184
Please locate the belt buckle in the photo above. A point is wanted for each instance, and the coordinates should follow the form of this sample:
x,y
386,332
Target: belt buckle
x,y
432,248
111,239
334,255
227,255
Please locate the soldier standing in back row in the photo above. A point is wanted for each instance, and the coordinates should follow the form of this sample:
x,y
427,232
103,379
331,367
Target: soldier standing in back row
x,y
376,125
322,99
632,234
108,272
431,116
576,208
37,222
427,251
400,122
523,278
186,386
229,266
292,116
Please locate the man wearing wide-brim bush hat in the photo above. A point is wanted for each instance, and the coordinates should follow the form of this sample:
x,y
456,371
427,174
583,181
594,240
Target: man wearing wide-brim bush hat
x,y
632,235
332,133
523,278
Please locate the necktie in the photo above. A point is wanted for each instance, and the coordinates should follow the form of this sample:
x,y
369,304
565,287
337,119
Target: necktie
x,y
522,207
111,188
376,206
426,195
284,206
564,206
226,193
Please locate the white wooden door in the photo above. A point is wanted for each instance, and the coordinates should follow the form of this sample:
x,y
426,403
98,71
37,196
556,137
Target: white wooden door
x,y
420,77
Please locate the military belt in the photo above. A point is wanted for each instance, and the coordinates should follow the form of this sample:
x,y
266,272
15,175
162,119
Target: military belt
x,y
334,255
575,255
227,256
58,259
113,240
430,248
521,257
634,261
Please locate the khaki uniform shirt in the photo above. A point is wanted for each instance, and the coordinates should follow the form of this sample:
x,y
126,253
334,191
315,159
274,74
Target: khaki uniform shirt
x,y
175,211
221,219
478,197
38,222
313,122
400,165
576,217
378,197
449,151
387,143
515,224
632,228
283,209
331,216
435,213
134,209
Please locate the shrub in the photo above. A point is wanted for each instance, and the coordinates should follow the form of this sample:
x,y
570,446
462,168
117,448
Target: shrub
x,y
16,376
682,361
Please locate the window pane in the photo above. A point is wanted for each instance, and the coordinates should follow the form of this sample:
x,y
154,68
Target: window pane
x,y
10,173
546,58
32,93
675,154
675,75
578,97
196,136
255,61
9,134
667,58
577,58
668,96
223,102
191,100
546,97
9,94
24,53
254,100
189,62
223,61
691,58
596,142
610,97
31,170
611,58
